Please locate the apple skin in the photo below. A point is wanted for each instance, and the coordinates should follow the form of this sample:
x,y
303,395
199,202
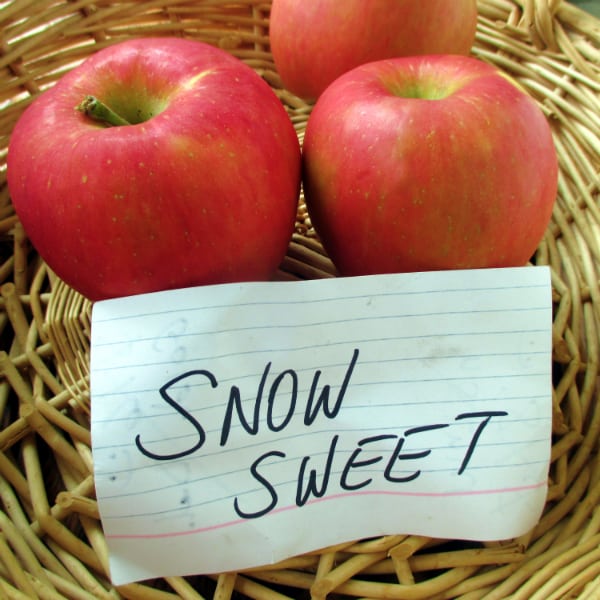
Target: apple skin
x,y
315,41
428,163
202,190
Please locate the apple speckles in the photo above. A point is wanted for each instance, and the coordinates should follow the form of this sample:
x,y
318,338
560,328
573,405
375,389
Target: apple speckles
x,y
84,178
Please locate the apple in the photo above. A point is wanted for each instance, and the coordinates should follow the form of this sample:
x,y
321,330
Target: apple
x,y
157,163
428,163
315,41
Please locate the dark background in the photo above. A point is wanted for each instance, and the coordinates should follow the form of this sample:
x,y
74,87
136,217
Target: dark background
x,y
592,6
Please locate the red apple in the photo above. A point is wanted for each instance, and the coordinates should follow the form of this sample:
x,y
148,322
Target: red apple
x,y
197,185
428,163
315,41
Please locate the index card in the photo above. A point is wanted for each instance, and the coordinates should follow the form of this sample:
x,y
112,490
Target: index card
x,y
241,424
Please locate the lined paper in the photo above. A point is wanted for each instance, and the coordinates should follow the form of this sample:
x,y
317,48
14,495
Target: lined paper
x,y
241,424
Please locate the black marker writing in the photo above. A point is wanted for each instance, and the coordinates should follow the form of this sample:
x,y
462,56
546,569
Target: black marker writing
x,y
397,454
235,401
344,469
184,413
353,463
311,487
487,417
323,401
252,425
348,469
290,374
264,482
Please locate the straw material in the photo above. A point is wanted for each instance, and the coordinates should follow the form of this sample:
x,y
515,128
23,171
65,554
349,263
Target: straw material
x,y
51,539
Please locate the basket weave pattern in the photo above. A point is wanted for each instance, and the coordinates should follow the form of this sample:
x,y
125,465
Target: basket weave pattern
x,y
51,539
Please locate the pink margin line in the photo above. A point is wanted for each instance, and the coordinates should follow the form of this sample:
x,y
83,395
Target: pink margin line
x,y
137,536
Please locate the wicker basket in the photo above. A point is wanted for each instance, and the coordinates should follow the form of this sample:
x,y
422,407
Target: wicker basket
x,y
51,539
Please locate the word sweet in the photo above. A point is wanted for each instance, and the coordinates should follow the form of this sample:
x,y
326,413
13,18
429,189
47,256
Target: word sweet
x,y
308,485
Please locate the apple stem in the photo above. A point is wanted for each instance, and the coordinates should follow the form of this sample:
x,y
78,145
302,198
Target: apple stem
x,y
98,111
